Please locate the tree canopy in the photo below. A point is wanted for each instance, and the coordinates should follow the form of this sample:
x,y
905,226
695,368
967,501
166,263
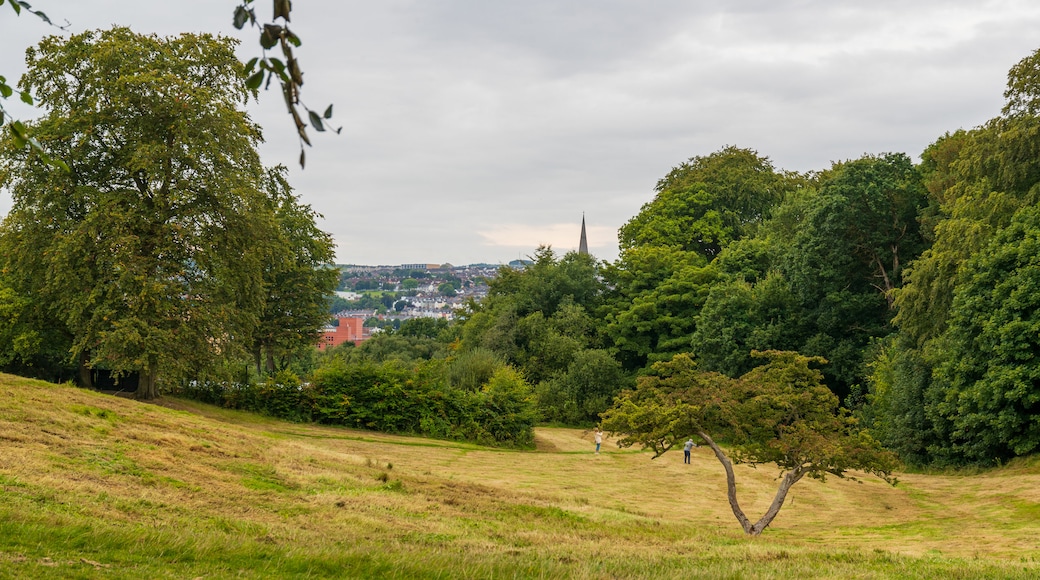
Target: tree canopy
x,y
151,249
706,203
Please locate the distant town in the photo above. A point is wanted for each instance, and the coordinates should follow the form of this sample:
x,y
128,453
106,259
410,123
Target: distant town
x,y
372,298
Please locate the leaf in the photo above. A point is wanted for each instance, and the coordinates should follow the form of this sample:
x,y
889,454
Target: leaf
x,y
282,9
328,112
18,132
35,145
5,90
241,17
55,162
276,65
250,65
316,121
302,157
254,81
293,39
269,37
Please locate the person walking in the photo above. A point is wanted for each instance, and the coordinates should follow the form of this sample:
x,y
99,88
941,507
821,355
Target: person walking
x,y
599,439
686,449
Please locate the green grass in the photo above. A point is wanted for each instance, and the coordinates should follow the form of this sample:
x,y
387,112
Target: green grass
x,y
93,486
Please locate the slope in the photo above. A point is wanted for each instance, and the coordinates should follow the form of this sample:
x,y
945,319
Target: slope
x,y
98,486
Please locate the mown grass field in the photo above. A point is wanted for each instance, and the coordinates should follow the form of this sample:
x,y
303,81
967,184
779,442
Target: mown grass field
x,y
93,486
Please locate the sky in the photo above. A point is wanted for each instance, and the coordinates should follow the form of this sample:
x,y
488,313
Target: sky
x,y
475,130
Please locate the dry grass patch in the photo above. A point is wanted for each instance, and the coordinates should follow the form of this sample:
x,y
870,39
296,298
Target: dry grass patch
x,y
185,490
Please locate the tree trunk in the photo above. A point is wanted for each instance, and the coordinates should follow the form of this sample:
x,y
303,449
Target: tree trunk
x,y
256,357
270,361
790,478
86,379
148,387
731,482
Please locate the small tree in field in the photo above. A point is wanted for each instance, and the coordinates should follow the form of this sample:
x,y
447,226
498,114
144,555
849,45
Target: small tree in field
x,y
779,413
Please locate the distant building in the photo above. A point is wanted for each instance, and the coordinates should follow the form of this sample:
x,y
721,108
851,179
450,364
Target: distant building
x,y
350,329
583,244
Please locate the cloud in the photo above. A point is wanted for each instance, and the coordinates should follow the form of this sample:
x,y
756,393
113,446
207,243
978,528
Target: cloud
x,y
561,236
458,114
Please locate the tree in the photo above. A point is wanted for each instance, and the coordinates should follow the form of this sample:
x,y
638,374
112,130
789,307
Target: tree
x,y
985,396
739,317
538,320
586,389
297,276
424,327
655,297
548,282
706,203
144,249
820,275
867,214
779,413
447,289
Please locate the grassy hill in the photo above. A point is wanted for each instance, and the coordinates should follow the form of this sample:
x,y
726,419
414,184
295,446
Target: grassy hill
x,y
93,486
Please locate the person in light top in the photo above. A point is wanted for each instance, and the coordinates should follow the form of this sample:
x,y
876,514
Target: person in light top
x,y
686,449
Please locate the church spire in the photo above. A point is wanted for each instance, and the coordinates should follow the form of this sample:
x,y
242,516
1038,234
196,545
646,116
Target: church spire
x,y
583,245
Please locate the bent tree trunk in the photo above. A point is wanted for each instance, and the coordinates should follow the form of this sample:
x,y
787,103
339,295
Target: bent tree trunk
x,y
790,478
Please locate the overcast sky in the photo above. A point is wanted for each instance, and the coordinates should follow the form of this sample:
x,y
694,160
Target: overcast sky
x,y
475,130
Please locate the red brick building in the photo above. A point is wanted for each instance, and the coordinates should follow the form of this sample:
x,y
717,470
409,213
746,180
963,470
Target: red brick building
x,y
350,329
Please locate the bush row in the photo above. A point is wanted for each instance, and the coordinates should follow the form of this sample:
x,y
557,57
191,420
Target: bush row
x,y
389,397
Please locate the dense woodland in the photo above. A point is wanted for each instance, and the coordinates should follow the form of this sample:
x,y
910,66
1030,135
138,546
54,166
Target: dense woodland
x,y
913,287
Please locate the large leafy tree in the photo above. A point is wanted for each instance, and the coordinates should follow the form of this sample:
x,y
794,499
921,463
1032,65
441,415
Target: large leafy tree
x,y
819,275
780,413
707,202
863,226
538,317
984,397
846,259
740,316
665,272
651,310
146,249
297,277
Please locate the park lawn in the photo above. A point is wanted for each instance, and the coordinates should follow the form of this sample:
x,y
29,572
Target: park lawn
x,y
94,486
